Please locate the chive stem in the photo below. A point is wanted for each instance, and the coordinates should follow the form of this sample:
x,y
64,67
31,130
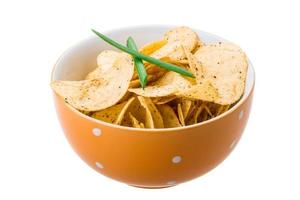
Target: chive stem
x,y
138,63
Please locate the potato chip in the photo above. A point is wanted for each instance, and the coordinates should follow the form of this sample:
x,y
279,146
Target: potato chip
x,y
167,85
204,91
162,100
186,106
126,97
207,110
109,114
105,61
180,114
169,117
177,37
197,112
194,66
135,122
151,78
152,47
193,106
137,110
153,117
188,38
123,111
98,94
151,69
199,44
225,65
222,109
155,91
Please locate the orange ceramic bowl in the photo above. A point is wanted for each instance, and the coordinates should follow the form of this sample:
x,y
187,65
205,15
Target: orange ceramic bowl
x,y
143,157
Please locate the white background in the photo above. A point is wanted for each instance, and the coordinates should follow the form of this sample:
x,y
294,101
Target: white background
x,y
36,162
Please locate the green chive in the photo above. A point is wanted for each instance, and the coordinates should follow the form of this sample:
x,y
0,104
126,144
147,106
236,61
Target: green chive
x,y
149,59
138,63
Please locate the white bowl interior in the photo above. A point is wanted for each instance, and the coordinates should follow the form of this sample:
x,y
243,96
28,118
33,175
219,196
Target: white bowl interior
x,y
80,59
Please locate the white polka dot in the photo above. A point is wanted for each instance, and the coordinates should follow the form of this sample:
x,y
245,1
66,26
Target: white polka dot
x,y
171,183
99,165
241,115
233,144
97,132
176,159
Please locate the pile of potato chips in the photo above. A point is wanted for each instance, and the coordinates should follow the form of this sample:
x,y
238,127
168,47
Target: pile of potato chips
x,y
112,92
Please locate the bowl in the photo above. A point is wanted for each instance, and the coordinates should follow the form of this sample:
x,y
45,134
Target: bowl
x,y
150,158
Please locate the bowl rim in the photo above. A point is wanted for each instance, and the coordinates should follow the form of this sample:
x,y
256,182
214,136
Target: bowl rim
x,y
155,130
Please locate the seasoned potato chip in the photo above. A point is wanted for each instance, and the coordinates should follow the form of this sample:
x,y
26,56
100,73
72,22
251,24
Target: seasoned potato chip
x,y
152,47
186,106
180,114
222,109
151,78
151,69
137,110
105,61
208,110
199,44
135,122
98,94
225,65
109,114
123,111
197,112
188,38
167,85
153,117
126,97
155,91
177,37
169,117
162,100
194,66
204,92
